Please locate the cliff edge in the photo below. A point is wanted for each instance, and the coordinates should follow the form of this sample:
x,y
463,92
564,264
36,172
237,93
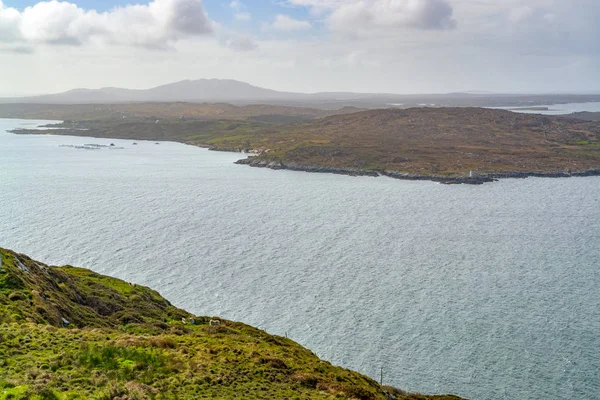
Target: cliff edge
x,y
69,333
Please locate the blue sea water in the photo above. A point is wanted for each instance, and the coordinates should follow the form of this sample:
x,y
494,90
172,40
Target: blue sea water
x,y
487,292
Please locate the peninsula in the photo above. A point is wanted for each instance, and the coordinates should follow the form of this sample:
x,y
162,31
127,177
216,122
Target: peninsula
x,y
449,145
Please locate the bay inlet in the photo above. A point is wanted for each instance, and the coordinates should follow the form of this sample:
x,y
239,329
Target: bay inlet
x,y
485,291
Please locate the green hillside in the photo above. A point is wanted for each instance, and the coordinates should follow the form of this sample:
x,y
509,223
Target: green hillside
x,y
69,333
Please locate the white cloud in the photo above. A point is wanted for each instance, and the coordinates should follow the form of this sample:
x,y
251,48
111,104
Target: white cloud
x,y
242,16
520,13
59,22
239,14
549,17
9,22
498,45
288,24
54,22
356,15
238,42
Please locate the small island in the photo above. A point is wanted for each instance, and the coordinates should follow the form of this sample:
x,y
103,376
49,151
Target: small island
x,y
69,333
530,108
448,145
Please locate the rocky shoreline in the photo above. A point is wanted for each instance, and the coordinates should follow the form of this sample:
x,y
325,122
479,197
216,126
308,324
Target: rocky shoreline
x,y
256,160
478,179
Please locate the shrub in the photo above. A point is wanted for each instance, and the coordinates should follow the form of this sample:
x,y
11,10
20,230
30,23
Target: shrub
x,y
112,358
115,390
42,394
306,380
274,363
163,342
10,282
16,296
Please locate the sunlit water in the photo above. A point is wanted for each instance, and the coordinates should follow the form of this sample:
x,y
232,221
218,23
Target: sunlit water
x,y
488,292
557,109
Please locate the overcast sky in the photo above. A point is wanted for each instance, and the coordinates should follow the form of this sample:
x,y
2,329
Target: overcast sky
x,y
397,46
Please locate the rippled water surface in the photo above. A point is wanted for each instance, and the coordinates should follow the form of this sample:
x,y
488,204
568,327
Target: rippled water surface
x,y
488,292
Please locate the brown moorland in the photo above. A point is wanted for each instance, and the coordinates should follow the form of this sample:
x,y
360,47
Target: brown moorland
x,y
207,111
444,144
439,141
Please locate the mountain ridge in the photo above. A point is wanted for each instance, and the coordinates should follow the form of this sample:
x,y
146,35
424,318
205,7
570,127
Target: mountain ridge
x,y
184,90
238,92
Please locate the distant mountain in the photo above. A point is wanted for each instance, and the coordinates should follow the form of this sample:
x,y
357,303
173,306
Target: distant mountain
x,y
215,90
201,90
241,93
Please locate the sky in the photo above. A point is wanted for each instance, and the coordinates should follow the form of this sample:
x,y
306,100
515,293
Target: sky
x,y
391,46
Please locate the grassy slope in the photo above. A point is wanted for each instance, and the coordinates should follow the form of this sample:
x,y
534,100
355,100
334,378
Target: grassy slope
x,y
422,141
127,342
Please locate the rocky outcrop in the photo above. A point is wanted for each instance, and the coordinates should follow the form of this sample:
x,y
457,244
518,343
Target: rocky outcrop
x,y
478,179
235,150
274,164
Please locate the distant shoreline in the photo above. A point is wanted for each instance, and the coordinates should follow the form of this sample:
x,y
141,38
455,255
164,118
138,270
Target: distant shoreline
x,y
477,179
446,145
255,162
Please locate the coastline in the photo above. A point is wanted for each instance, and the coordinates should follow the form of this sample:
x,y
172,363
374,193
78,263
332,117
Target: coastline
x,y
259,159
478,179
253,160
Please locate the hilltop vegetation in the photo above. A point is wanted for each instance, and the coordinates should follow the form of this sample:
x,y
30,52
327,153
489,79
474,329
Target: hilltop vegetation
x,y
153,111
69,333
586,115
439,141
